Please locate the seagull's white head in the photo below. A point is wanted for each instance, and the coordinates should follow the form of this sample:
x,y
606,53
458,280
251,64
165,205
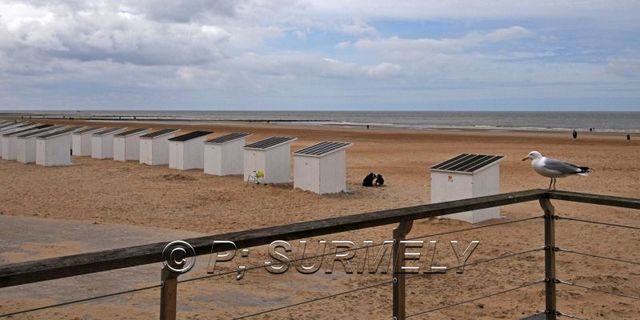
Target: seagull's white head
x,y
533,155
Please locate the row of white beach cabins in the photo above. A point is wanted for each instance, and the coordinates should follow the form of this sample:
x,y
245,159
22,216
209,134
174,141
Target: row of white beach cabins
x,y
320,168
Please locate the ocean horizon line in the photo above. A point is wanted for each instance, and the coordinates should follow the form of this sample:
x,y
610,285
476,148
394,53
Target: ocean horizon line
x,y
12,111
599,121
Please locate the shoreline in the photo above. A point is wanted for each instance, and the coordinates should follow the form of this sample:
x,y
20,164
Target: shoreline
x,y
348,120
197,123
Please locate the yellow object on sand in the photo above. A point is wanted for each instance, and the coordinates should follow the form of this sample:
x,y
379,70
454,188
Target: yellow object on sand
x,y
260,174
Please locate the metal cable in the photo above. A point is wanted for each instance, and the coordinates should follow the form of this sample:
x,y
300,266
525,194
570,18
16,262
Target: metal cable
x,y
509,255
573,284
570,316
314,300
598,222
475,228
475,299
600,257
78,301
378,284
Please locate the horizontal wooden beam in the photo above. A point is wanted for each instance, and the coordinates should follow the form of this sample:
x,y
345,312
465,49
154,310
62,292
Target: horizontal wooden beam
x,y
595,199
67,266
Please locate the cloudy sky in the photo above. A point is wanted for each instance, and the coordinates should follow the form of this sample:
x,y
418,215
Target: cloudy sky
x,y
320,55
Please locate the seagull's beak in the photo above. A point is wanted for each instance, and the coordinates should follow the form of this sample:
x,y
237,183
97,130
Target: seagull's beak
x,y
525,158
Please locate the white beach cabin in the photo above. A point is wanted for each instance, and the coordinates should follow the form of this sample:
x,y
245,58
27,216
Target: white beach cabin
x,y
321,168
154,147
126,145
224,155
26,144
271,156
81,141
53,148
102,143
10,140
13,128
467,176
187,151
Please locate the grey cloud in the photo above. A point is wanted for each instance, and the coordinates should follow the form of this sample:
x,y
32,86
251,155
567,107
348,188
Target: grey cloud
x,y
184,11
109,34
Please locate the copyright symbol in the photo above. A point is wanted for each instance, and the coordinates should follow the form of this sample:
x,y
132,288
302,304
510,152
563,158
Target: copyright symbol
x,y
179,256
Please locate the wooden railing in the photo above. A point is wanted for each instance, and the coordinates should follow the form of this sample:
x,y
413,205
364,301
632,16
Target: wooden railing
x,y
74,265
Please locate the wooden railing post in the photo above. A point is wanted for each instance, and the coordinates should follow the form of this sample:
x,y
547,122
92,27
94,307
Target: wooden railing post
x,y
549,258
399,300
168,294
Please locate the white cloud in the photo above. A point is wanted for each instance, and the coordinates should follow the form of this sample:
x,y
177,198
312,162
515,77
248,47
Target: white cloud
x,y
446,44
295,65
384,70
357,27
626,67
506,34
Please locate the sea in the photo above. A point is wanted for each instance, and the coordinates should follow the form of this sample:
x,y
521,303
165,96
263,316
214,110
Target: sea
x,y
612,122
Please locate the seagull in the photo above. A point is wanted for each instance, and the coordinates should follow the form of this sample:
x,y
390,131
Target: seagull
x,y
553,168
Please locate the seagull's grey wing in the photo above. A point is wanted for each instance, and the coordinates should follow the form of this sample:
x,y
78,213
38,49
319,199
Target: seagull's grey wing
x,y
561,166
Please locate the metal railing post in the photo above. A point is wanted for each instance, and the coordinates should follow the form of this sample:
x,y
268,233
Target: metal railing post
x,y
399,234
549,258
168,294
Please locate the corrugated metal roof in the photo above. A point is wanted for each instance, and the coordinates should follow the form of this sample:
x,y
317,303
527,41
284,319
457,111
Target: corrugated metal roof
x,y
323,148
191,135
8,124
270,142
107,131
86,130
8,129
35,133
15,133
131,132
228,137
57,132
466,163
158,133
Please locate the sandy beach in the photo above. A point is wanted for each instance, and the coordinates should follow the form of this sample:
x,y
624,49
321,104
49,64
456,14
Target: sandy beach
x,y
108,192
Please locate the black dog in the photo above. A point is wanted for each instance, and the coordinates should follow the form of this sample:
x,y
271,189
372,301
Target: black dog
x,y
368,180
379,180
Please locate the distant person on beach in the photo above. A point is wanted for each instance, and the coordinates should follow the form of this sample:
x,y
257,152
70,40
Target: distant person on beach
x,y
368,180
367,126
628,137
574,134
